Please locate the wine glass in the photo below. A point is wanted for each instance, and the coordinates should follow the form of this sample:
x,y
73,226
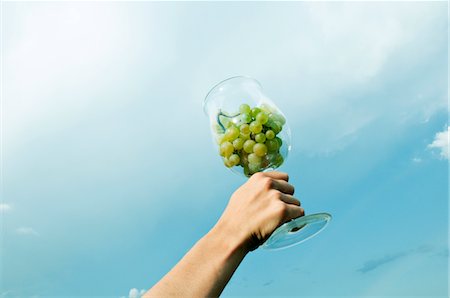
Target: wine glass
x,y
252,135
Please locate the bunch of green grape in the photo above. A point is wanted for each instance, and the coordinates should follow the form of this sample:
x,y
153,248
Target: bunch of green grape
x,y
249,138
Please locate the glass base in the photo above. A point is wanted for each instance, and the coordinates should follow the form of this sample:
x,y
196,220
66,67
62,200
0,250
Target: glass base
x,y
296,231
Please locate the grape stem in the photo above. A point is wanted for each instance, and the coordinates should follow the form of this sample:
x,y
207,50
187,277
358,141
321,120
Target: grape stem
x,y
225,115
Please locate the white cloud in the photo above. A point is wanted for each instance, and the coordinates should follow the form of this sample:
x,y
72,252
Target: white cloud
x,y
441,143
26,231
313,73
135,293
5,207
417,160
320,52
62,60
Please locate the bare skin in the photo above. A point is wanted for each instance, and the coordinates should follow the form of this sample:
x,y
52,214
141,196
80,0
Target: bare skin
x,y
254,211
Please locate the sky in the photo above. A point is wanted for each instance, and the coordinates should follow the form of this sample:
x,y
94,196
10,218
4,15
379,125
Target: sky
x,y
109,174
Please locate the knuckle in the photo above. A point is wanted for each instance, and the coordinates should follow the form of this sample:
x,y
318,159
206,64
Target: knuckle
x,y
275,194
267,182
280,210
258,176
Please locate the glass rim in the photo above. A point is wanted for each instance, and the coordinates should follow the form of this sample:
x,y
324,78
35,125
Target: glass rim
x,y
205,101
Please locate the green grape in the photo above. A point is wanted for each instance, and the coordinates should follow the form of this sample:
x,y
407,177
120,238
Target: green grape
x,y
225,121
238,143
253,168
254,159
278,160
250,139
245,129
255,112
246,118
272,146
234,159
265,162
231,133
260,138
271,157
237,121
227,162
276,127
255,127
248,146
279,118
244,109
270,134
244,159
280,142
266,108
262,117
246,171
226,149
220,138
260,149
269,123
244,137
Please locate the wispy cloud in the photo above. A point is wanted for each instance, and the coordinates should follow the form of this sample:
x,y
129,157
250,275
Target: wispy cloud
x,y
417,160
440,142
373,264
26,231
5,207
44,55
443,253
135,293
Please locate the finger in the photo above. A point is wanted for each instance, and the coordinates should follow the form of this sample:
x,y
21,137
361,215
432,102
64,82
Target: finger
x,y
288,199
283,186
293,212
277,175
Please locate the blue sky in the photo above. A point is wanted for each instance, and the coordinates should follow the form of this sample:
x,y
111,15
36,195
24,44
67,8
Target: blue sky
x,y
110,176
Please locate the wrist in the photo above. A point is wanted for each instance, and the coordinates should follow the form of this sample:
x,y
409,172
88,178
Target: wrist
x,y
232,239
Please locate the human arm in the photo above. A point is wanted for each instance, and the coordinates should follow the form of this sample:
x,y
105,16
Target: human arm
x,y
254,211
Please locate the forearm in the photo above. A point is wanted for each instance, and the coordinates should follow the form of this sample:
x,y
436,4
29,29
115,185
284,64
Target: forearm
x,y
205,269
254,211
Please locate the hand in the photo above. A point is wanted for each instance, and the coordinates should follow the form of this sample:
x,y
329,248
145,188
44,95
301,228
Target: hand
x,y
255,210
258,207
